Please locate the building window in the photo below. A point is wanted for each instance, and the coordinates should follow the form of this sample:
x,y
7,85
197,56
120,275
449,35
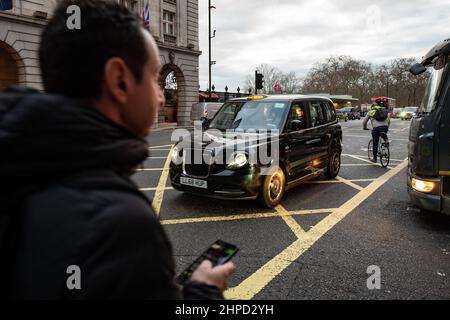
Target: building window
x,y
169,23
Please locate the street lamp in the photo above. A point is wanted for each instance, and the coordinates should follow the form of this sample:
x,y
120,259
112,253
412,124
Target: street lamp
x,y
210,37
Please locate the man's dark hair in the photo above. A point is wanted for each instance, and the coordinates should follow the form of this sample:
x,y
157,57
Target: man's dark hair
x,y
72,61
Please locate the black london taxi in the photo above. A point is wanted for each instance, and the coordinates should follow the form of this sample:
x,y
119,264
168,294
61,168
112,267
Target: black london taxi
x,y
299,133
429,138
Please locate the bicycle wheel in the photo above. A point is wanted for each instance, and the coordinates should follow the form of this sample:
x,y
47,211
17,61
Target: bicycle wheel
x,y
385,155
370,150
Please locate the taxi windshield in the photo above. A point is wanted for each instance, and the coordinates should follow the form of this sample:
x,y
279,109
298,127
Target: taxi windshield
x,y
251,115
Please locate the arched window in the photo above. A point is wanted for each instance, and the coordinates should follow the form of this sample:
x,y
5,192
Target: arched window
x,y
8,70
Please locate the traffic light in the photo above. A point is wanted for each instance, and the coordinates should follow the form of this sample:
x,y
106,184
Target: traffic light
x,y
259,80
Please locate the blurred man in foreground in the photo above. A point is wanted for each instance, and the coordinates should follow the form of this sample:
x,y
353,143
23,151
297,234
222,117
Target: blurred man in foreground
x,y
66,160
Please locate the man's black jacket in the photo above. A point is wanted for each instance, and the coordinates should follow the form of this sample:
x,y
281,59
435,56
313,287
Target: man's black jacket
x,y
66,199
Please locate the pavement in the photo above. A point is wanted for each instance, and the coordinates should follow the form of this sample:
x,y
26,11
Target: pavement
x,y
324,238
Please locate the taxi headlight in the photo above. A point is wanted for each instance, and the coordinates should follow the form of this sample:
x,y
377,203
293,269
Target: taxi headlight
x,y
423,186
175,155
239,160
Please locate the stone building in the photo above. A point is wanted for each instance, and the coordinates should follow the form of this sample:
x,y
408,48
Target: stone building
x,y
173,23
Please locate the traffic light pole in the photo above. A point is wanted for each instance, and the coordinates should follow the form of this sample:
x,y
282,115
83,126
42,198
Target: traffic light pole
x,y
256,82
209,17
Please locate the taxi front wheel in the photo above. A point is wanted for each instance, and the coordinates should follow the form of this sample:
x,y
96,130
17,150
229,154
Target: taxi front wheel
x,y
272,189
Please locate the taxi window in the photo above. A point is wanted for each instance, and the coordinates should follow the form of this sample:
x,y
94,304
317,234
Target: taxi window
x,y
298,114
317,115
329,111
321,113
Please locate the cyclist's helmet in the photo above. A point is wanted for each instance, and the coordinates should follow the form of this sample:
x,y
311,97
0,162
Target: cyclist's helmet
x,y
381,103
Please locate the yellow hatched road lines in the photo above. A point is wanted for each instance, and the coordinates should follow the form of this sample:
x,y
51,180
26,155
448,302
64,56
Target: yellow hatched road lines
x,y
290,221
159,194
245,216
262,277
349,183
251,286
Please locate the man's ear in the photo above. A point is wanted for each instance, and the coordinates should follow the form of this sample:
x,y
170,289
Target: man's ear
x,y
118,80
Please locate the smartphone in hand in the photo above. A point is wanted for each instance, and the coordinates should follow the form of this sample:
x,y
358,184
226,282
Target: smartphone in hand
x,y
219,253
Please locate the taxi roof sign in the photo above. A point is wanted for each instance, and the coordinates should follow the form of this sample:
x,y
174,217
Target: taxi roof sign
x,y
256,97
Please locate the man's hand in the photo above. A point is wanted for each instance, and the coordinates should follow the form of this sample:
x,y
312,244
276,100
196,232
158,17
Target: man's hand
x,y
214,276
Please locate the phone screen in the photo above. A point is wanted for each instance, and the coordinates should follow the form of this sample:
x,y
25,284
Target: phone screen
x,y
220,252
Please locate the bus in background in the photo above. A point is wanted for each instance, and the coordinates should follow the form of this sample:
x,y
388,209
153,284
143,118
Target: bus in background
x,y
428,147
390,103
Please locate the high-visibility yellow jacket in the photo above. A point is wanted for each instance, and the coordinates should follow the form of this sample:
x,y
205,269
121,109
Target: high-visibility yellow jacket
x,y
375,123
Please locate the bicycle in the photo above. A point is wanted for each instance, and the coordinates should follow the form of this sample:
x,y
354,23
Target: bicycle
x,y
384,153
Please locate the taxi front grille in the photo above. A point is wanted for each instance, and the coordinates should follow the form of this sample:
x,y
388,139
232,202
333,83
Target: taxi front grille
x,y
199,170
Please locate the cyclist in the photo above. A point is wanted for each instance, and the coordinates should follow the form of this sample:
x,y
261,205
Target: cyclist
x,y
379,117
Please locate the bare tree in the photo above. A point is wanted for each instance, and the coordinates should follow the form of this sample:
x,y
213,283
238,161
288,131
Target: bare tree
x,y
345,75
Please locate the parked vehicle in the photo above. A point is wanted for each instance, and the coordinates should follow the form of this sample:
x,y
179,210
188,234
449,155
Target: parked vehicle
x,y
396,113
309,143
341,115
408,113
354,115
351,113
204,110
428,147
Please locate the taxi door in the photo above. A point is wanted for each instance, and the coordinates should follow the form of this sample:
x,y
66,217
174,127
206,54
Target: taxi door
x,y
297,148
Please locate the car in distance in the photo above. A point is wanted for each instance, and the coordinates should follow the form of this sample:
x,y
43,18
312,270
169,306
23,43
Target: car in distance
x,y
408,113
204,110
354,115
396,113
351,113
307,136
341,115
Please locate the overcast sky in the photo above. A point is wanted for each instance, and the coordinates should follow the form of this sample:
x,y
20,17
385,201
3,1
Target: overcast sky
x,y
294,34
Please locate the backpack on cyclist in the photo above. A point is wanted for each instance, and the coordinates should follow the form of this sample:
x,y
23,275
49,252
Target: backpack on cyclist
x,y
381,115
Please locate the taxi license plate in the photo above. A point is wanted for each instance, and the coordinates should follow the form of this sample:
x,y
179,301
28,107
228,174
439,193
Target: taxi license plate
x,y
194,183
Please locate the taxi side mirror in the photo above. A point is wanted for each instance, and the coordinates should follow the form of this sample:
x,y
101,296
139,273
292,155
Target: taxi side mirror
x,y
417,69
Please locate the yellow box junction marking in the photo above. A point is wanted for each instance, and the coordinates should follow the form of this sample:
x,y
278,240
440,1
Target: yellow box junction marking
x,y
290,221
245,216
251,286
262,277
349,183
159,194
